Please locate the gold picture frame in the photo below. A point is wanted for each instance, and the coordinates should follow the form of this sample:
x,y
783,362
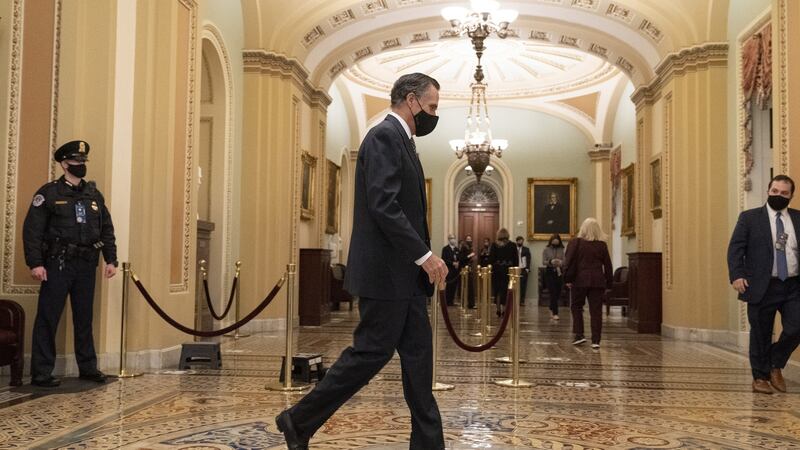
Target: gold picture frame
x,y
307,190
333,200
655,187
552,207
429,199
628,201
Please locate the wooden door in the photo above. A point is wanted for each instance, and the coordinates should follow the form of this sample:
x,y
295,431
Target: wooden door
x,y
481,222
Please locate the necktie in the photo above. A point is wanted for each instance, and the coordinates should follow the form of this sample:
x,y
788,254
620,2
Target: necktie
x,y
780,251
414,147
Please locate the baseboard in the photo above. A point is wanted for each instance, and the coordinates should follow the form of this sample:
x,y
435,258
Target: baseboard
x,y
711,336
145,360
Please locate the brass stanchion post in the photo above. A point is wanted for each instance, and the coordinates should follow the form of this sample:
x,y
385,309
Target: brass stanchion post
x,y
465,292
291,272
236,334
515,276
436,386
123,330
481,303
513,283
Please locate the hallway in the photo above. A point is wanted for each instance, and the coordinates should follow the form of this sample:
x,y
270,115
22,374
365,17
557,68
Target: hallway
x,y
637,391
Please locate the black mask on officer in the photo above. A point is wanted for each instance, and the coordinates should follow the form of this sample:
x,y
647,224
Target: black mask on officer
x,y
78,170
778,202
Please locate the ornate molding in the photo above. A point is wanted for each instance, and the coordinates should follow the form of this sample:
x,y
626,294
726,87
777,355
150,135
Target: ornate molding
x,y
188,169
14,92
214,36
270,63
666,180
711,54
599,155
783,86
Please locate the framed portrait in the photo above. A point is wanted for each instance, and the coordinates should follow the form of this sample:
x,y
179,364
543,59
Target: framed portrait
x,y
307,186
334,196
628,202
552,207
655,186
429,199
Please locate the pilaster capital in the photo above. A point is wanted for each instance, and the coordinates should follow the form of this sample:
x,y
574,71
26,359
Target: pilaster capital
x,y
600,152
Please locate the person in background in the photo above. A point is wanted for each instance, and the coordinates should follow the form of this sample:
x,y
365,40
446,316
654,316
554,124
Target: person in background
x,y
450,255
553,261
484,254
502,256
525,262
588,274
467,259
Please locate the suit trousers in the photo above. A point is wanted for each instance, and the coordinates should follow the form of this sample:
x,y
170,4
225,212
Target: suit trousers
x,y
385,326
783,297
452,286
523,286
595,296
76,278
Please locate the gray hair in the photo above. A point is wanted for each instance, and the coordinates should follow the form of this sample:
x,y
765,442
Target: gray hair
x,y
416,83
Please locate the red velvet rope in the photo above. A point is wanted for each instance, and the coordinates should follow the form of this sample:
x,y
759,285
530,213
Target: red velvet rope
x,y
495,339
230,299
200,333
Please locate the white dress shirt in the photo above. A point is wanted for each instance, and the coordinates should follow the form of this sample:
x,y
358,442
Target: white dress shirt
x,y
522,263
791,243
402,121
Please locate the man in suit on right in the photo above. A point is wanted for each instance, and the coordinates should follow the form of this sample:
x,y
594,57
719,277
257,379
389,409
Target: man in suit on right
x,y
763,269
392,271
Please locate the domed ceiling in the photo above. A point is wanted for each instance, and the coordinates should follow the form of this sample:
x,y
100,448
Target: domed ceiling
x,y
513,68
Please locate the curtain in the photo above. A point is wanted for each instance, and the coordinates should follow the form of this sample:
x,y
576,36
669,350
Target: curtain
x,y
756,86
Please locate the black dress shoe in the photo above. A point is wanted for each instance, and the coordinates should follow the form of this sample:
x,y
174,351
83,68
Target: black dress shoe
x,y
285,426
97,377
48,381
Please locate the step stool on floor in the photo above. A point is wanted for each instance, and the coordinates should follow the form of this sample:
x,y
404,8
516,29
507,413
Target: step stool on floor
x,y
302,367
206,353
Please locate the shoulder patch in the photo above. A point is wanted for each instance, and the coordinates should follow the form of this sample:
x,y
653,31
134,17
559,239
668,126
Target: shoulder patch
x,y
38,199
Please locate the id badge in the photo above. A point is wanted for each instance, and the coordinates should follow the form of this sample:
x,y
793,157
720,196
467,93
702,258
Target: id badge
x,y
80,212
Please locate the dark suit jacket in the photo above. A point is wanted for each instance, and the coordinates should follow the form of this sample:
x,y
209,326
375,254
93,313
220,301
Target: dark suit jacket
x,y
451,256
526,253
751,251
588,264
390,229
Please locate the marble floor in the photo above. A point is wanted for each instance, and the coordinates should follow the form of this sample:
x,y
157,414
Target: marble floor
x,y
635,392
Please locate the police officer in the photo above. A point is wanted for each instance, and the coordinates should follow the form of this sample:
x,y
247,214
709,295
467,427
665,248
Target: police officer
x,y
67,227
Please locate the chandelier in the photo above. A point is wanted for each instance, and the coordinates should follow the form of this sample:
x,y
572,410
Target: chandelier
x,y
483,19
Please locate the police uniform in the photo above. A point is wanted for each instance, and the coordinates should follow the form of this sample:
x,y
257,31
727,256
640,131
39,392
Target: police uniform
x,y
66,229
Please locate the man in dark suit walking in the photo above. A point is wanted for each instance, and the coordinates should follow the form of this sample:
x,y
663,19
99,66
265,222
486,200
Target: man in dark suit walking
x,y
525,261
391,269
763,269
450,255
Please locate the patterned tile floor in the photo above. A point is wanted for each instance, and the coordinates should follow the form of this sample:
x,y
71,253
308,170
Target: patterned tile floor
x,y
636,392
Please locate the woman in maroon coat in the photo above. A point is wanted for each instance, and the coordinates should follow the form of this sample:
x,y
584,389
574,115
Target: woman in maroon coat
x,y
588,274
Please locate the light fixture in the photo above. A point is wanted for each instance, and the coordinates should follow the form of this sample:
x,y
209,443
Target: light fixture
x,y
483,19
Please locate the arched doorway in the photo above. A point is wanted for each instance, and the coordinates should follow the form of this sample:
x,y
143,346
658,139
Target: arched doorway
x,y
215,161
478,213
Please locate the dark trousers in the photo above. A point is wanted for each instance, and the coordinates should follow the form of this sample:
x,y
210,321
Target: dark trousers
x,y
765,355
523,286
77,279
385,326
595,296
454,279
554,284
470,289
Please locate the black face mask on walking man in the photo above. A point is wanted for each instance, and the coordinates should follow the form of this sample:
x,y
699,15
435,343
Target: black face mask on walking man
x,y
778,202
424,122
79,170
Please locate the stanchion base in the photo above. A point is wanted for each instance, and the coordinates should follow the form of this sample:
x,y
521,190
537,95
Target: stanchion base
x,y
513,384
279,387
125,374
442,387
507,359
237,335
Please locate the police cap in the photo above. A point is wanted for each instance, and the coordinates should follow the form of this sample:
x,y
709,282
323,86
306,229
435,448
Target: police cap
x,y
76,150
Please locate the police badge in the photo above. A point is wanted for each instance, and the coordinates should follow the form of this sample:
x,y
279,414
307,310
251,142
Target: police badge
x,y
38,199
